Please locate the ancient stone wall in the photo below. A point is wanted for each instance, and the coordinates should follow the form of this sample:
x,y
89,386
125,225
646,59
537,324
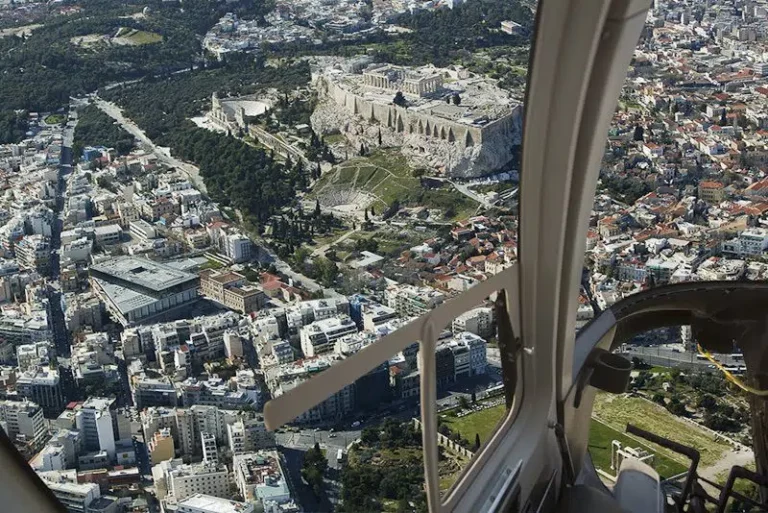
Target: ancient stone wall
x,y
460,149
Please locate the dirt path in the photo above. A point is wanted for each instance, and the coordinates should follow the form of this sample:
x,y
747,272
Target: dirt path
x,y
730,458
325,247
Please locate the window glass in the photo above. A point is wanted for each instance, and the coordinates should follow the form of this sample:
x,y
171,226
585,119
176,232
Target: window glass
x,y
678,202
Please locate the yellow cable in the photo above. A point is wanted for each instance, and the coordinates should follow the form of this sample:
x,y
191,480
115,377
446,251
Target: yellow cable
x,y
730,377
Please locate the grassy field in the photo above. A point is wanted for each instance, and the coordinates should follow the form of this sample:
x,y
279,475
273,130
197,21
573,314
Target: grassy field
x,y
618,411
137,37
334,138
386,176
600,439
601,435
55,119
482,423
211,264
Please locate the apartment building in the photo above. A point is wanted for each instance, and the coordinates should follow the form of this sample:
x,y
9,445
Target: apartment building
x,y
43,387
249,435
319,336
161,447
23,420
752,242
33,252
183,481
478,321
200,503
412,301
75,497
259,476
94,421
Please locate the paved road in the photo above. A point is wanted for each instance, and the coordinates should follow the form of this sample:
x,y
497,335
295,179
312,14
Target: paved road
x,y
162,154
302,493
307,438
58,325
657,355
466,191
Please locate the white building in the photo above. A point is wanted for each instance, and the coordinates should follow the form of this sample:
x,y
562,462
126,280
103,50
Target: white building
x,y
761,68
40,221
233,345
31,355
478,321
34,252
94,421
249,435
210,451
23,419
108,235
183,481
319,336
412,301
752,242
73,496
238,247
469,355
375,314
200,503
52,457
259,477
79,250
42,386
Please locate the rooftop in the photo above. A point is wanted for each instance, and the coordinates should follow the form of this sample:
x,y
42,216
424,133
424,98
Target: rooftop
x,y
143,272
215,504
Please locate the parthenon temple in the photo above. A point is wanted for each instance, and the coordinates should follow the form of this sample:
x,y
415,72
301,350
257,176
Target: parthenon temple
x,y
399,79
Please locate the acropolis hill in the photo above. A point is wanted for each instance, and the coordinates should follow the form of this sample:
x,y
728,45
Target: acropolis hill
x,y
452,121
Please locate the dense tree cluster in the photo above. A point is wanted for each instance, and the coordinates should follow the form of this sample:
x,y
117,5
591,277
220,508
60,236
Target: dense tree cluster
x,y
322,269
160,105
439,37
721,416
295,111
628,188
13,126
40,72
318,150
96,128
236,174
313,468
366,483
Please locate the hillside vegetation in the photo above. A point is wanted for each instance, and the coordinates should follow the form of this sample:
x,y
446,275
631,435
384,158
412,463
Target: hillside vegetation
x,y
383,178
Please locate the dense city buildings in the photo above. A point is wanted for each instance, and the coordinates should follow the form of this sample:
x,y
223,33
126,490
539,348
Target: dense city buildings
x,y
149,308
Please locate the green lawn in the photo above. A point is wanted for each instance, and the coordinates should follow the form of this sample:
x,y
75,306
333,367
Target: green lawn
x,y
138,37
211,264
334,138
600,439
483,423
618,411
55,119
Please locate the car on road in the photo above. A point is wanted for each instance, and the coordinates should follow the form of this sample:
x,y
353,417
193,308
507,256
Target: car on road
x,y
356,424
